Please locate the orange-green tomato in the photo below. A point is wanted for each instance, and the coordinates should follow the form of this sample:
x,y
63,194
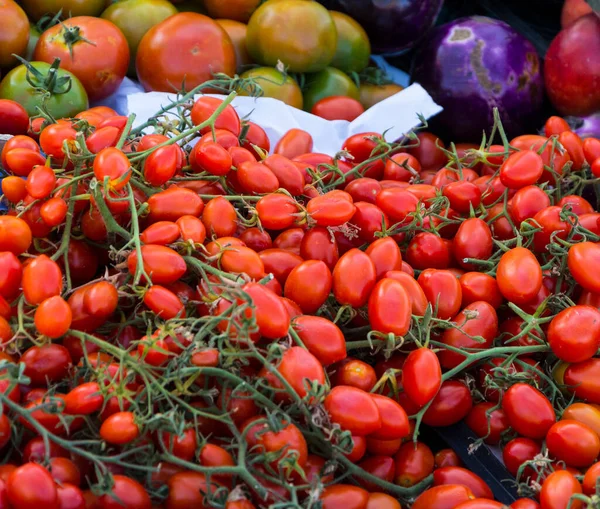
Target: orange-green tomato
x,y
238,10
353,48
134,18
14,32
328,82
236,31
299,33
70,8
372,94
276,85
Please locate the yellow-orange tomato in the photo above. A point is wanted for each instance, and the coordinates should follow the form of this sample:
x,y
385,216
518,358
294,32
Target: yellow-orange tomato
x,y
276,85
239,10
237,33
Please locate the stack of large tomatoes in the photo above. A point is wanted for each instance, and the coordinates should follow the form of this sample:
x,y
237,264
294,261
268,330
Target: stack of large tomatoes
x,y
313,64
229,324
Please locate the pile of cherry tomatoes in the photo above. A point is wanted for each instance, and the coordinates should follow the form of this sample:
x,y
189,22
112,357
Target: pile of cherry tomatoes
x,y
192,318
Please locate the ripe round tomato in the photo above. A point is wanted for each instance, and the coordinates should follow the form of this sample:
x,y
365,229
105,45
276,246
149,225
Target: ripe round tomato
x,y
573,334
318,244
297,365
338,107
421,376
53,317
486,424
464,477
267,43
120,428
13,117
451,404
443,291
311,330
354,410
557,490
473,240
583,379
389,308
15,235
126,492
135,18
354,277
308,285
274,84
519,275
31,485
428,251
42,279
203,48
529,412
447,496
337,496
521,169
288,175
581,257
161,263
414,462
270,313
484,325
527,202
573,442
100,66
591,478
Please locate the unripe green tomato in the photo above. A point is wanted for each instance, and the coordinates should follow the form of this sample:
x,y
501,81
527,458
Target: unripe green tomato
x,y
353,48
328,82
15,86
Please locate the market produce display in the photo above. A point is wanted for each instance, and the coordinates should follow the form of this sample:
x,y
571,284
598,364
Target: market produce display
x,y
195,316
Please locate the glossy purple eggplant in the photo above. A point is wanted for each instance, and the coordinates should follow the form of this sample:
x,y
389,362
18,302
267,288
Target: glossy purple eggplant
x,y
472,65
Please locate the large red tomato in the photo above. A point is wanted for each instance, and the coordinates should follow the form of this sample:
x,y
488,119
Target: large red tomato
x,y
14,35
93,49
186,47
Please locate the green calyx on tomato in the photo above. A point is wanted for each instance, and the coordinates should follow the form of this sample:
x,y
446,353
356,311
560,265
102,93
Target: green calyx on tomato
x,y
37,85
327,83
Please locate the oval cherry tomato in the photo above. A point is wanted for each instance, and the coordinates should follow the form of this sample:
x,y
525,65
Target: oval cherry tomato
x,y
529,412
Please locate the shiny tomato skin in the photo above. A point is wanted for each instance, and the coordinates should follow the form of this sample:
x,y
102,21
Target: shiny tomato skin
x,y
162,264
14,40
318,244
557,490
447,458
15,235
525,503
485,324
355,373
394,421
354,410
459,475
415,292
527,203
591,478
480,503
473,240
529,412
582,256
370,219
354,277
519,275
521,169
428,151
120,428
203,48
573,442
42,279
443,291
309,285
414,462
205,107
421,376
389,308
477,286
100,65
311,330
279,262
451,404
386,255
338,107
271,315
584,413
53,317
428,251
347,496
573,334
447,496
288,175
31,485
487,425
126,492
583,379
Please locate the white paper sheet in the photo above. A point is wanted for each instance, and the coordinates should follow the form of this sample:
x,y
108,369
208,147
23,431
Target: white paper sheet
x,y
395,115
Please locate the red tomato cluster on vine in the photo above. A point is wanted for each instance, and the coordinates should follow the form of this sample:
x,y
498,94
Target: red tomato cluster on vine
x,y
231,324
